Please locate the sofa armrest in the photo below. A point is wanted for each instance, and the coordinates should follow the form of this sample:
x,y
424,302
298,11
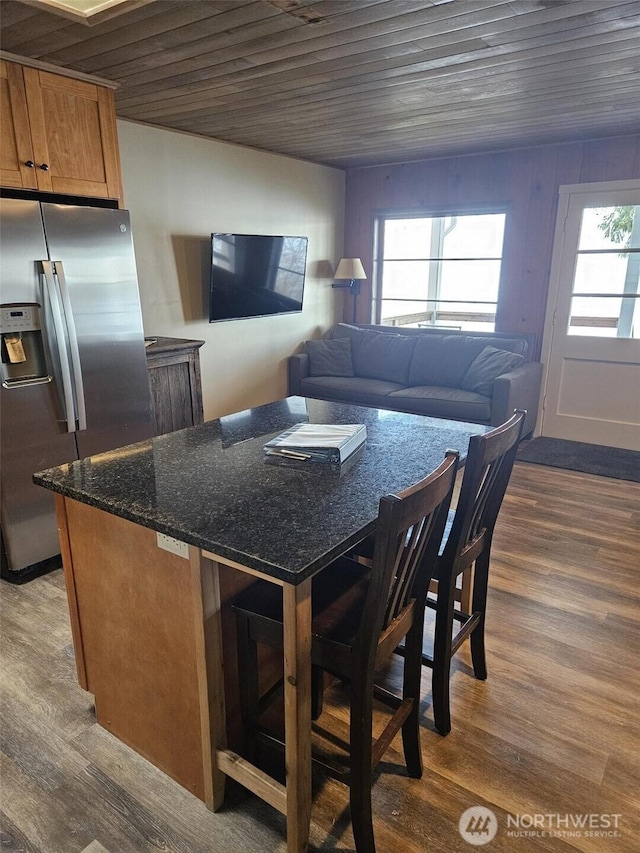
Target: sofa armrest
x,y
518,389
297,370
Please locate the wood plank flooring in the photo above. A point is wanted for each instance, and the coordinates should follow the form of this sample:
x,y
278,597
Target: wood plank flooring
x,y
554,731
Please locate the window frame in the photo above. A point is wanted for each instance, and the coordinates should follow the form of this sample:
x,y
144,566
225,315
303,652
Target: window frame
x,y
623,323
382,216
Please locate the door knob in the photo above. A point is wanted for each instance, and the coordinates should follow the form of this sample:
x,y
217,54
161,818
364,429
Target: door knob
x,y
44,167
29,164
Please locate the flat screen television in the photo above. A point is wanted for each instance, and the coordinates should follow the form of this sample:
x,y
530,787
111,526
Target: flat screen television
x,y
254,275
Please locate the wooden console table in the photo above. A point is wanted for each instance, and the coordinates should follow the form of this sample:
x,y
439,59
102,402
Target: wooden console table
x,y
174,379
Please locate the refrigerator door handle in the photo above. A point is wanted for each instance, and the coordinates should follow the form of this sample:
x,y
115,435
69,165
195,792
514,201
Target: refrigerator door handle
x,y
73,345
61,337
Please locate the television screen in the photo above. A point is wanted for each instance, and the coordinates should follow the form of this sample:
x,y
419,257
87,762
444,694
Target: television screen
x,y
253,275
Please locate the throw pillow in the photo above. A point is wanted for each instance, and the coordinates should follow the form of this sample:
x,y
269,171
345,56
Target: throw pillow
x,y
330,357
378,355
486,367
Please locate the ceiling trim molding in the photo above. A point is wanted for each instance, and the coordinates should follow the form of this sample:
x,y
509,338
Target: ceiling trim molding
x,y
96,15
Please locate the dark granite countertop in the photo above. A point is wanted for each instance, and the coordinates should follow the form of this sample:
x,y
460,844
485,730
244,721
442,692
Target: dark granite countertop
x,y
212,486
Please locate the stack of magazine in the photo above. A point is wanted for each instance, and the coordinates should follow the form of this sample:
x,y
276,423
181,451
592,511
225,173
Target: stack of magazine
x,y
318,442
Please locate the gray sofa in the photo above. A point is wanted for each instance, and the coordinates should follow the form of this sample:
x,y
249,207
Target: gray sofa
x,y
478,377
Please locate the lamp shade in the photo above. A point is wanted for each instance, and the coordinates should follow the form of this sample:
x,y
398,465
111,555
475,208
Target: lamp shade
x,y
350,268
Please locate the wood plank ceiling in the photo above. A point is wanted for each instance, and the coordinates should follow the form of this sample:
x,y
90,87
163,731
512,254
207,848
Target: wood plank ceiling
x,y
357,82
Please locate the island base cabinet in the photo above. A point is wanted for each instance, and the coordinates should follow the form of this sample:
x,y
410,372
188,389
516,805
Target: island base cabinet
x,y
144,637
151,630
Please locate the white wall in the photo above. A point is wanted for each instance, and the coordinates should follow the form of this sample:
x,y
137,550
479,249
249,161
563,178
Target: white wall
x,y
179,189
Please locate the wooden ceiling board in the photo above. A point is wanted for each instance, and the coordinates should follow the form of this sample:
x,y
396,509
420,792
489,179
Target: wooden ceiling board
x,y
15,13
479,118
401,66
502,116
348,102
201,43
443,100
29,33
177,58
103,50
457,136
308,48
46,33
358,82
507,110
571,17
282,87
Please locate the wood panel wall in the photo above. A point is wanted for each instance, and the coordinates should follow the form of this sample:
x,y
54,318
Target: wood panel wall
x,y
525,180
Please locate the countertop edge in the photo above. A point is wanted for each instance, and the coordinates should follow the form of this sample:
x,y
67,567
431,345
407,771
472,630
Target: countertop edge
x,y
139,517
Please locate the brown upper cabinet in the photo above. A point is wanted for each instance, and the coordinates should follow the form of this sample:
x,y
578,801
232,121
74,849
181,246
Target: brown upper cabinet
x,y
58,134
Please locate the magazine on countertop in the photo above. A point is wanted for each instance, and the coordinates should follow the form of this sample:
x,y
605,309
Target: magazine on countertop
x,y
318,442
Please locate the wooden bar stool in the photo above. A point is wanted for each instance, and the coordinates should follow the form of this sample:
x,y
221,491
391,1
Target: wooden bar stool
x,y
360,615
467,545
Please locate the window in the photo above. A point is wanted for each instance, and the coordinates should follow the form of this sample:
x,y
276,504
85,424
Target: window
x,y
439,270
605,295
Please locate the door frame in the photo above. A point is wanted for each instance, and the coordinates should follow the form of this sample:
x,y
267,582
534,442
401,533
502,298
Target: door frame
x,y
565,193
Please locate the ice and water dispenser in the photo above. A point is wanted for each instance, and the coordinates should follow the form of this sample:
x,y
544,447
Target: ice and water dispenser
x,y
23,359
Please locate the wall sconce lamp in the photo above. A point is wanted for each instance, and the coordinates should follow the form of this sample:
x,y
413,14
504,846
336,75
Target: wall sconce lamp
x,y
349,274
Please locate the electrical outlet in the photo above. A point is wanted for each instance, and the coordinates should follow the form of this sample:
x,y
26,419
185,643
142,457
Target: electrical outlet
x,y
168,543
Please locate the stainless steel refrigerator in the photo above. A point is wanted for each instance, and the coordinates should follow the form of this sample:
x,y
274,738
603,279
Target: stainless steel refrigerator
x,y
73,366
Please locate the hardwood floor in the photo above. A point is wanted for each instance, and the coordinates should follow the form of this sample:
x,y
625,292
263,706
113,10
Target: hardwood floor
x,y
553,735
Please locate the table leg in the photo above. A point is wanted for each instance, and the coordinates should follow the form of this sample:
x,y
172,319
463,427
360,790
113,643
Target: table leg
x,y
297,710
214,676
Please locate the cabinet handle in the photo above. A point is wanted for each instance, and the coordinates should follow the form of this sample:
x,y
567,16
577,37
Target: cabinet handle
x,y
29,164
44,167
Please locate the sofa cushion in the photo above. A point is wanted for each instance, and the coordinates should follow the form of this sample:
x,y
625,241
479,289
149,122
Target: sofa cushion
x,y
378,355
442,403
354,389
330,357
486,367
443,360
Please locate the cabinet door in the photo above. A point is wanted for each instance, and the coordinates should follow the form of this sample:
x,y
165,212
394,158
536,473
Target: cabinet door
x,y
171,394
176,388
73,132
15,139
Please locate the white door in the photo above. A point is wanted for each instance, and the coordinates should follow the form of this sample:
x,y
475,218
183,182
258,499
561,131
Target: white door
x,y
591,345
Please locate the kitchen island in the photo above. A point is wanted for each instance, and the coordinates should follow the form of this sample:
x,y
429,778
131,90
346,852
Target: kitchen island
x,y
158,537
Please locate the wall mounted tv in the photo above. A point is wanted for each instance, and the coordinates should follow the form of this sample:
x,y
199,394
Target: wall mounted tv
x,y
254,275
